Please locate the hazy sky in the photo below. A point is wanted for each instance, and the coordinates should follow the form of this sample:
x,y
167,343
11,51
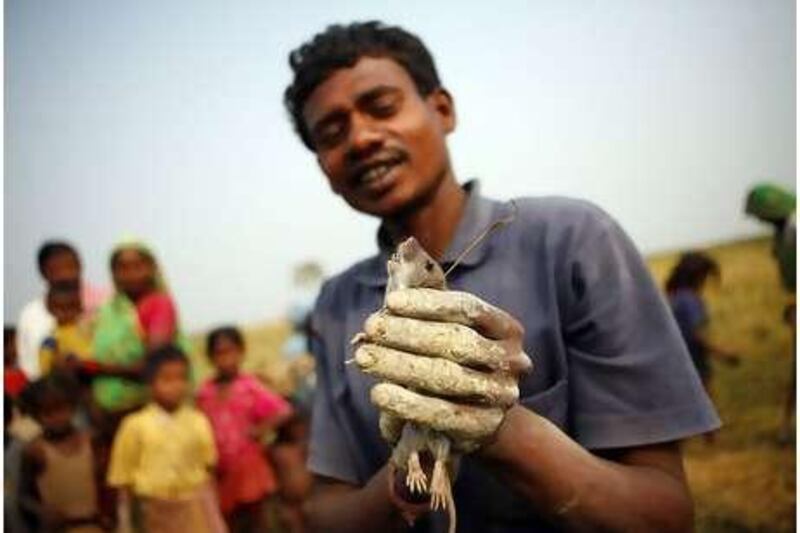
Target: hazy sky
x,y
164,120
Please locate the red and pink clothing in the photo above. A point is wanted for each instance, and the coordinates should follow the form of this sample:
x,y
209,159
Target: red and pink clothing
x,y
245,476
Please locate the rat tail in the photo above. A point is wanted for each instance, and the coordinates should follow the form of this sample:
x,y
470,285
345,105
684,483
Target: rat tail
x,y
451,510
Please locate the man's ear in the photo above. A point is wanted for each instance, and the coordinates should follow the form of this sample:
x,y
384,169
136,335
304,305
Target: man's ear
x,y
442,103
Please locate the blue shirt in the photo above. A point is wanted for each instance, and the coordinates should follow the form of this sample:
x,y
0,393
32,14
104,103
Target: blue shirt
x,y
610,367
690,314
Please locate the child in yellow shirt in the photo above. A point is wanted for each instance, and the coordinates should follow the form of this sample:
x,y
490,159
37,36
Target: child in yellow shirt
x,y
163,453
70,343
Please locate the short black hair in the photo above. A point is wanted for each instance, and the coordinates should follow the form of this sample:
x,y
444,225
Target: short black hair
x,y
53,248
169,353
9,334
691,272
341,46
232,333
53,389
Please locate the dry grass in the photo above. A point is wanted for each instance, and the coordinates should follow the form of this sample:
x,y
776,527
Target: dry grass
x,y
745,481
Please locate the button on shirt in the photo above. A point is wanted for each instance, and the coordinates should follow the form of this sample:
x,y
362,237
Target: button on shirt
x,y
610,367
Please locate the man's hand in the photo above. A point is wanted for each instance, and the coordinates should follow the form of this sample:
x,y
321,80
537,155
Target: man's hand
x,y
464,352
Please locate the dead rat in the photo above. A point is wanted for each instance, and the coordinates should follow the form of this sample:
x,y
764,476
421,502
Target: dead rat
x,y
411,267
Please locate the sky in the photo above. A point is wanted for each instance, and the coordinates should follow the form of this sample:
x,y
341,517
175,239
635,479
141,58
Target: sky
x,y
164,120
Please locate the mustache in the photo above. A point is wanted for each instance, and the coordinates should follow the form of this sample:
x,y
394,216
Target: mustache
x,y
387,156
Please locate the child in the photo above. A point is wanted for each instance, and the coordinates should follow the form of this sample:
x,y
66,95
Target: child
x,y
70,343
684,289
59,485
14,379
241,410
162,455
289,455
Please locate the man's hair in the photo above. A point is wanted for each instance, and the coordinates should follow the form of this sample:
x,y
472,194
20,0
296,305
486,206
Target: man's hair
x,y
51,249
341,46
159,357
691,272
9,334
229,332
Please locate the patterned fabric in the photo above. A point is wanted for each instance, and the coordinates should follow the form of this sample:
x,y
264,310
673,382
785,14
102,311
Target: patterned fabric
x,y
161,454
244,473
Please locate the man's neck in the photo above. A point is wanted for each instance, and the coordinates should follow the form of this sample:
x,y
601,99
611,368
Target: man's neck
x,y
434,222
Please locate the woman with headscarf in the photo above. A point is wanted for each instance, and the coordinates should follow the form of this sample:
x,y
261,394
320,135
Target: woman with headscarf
x,y
140,317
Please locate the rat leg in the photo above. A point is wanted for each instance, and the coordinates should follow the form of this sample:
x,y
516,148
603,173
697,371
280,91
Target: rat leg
x,y
391,428
412,441
440,479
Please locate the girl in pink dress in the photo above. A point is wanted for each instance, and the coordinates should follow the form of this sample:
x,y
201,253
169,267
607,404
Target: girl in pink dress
x,y
241,411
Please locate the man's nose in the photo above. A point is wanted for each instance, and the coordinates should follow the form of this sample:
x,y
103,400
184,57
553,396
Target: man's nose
x,y
365,138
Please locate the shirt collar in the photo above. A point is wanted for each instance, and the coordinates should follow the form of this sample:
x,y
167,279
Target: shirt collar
x,y
477,215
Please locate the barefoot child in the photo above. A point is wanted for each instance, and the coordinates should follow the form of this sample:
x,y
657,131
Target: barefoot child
x,y
163,453
241,410
60,479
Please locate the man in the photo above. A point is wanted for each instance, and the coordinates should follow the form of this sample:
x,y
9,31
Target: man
x,y
58,263
775,205
594,439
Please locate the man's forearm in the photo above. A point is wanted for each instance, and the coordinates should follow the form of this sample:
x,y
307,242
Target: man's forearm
x,y
580,491
339,508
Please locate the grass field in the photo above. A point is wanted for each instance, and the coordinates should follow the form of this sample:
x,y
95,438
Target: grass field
x,y
745,481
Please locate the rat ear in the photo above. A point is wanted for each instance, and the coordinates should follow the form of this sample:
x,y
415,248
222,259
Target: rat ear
x,y
442,102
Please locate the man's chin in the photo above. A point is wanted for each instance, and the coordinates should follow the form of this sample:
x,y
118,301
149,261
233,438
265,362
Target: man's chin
x,y
387,207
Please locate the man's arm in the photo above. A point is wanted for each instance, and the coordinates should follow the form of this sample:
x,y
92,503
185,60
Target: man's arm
x,y
634,489
341,507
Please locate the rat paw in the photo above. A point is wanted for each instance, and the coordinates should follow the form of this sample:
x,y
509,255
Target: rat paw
x,y
440,486
416,480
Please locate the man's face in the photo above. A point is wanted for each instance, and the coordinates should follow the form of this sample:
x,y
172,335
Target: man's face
x,y
62,267
380,143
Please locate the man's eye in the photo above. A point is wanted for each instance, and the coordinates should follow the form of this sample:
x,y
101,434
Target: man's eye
x,y
384,107
329,134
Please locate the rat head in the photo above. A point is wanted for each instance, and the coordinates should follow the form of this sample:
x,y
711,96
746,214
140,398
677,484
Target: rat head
x,y
411,267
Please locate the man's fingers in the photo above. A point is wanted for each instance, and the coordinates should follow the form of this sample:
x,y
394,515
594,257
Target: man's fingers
x,y
455,342
454,306
460,422
437,376
447,340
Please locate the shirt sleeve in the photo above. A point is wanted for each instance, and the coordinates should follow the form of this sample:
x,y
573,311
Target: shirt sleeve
x,y
329,454
158,316
631,379
125,454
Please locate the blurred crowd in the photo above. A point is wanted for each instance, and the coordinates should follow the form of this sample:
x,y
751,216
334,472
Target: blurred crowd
x,y
107,426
